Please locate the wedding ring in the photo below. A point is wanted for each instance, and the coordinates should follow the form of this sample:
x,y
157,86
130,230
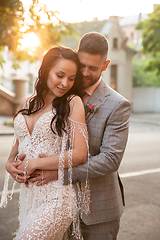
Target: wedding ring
x,y
16,159
17,176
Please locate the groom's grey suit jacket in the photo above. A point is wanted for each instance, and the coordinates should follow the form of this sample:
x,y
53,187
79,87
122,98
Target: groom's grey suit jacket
x,y
108,133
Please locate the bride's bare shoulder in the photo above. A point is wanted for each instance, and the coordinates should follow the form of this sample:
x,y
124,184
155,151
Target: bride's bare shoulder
x,y
77,112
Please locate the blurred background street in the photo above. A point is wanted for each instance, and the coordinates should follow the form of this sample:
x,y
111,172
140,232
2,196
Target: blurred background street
x,y
140,172
29,28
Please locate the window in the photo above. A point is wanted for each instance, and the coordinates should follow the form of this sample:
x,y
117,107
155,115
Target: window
x,y
115,43
113,83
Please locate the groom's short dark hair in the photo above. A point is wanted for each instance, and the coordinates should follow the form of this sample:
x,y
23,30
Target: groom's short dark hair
x,y
94,43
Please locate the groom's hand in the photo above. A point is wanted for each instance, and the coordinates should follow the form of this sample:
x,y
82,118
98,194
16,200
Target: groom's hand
x,y
43,177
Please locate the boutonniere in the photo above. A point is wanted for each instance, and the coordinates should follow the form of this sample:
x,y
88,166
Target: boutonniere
x,y
92,108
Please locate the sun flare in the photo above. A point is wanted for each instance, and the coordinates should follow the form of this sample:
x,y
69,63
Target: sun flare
x,y
29,42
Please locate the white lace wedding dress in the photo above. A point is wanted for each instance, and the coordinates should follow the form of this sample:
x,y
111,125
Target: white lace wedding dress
x,y
45,212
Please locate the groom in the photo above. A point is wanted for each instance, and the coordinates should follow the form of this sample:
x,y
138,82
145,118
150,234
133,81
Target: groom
x,y
108,133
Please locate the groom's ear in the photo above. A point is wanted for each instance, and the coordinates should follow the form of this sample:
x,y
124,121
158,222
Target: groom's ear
x,y
106,65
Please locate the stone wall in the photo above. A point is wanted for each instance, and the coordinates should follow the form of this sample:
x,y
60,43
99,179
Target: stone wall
x,y
146,99
6,107
10,101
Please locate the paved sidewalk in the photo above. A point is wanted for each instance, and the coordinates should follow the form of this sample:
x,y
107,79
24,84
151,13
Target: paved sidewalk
x,y
145,118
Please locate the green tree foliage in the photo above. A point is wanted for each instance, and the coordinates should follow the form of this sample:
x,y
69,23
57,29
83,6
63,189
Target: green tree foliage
x,y
16,21
151,32
151,39
143,76
11,15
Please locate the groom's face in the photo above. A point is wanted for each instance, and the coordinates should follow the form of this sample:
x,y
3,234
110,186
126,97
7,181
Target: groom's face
x,y
91,68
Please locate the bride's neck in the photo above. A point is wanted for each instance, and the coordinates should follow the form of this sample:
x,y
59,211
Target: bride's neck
x,y
49,99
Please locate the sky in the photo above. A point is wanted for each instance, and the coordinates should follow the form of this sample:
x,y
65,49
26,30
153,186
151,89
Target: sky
x,y
81,10
86,10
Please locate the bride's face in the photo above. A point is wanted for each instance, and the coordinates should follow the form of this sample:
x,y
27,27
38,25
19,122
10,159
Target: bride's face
x,y
61,77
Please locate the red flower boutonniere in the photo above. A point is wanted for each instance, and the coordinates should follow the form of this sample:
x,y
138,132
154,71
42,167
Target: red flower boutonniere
x,y
92,108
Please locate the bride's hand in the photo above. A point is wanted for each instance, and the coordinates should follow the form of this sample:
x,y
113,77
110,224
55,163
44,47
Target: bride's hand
x,y
28,166
12,169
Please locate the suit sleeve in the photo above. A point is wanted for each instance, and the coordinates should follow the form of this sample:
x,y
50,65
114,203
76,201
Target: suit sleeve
x,y
112,147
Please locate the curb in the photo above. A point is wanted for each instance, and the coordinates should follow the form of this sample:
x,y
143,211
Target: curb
x,y
151,122
6,134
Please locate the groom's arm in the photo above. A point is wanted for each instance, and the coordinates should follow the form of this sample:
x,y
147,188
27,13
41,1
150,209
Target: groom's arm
x,y
112,147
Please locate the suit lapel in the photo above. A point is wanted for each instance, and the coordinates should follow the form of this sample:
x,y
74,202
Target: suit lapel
x,y
98,98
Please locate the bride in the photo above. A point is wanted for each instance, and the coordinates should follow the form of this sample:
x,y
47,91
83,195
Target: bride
x,y
52,122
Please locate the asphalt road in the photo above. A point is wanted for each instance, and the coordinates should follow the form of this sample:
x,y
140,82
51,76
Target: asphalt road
x,y
141,218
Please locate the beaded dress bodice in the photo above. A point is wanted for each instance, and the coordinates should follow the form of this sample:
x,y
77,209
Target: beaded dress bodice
x,y
41,140
52,207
